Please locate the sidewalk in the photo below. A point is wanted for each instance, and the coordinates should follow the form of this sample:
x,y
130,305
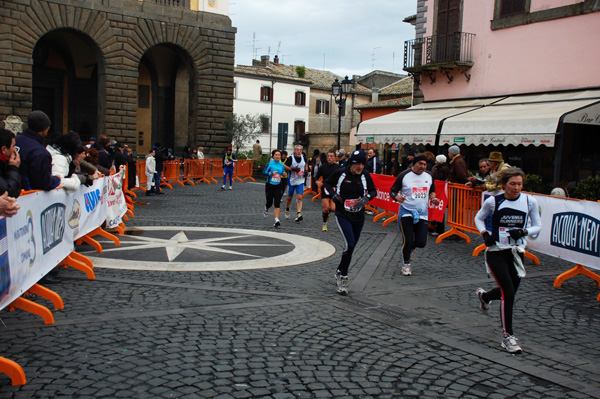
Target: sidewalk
x,y
282,331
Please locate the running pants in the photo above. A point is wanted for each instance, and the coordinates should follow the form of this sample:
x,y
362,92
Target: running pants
x,y
351,233
501,263
414,235
273,195
228,171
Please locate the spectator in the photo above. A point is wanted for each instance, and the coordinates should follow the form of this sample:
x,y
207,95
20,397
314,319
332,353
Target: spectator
x,y
194,153
91,157
440,172
119,156
430,160
458,166
257,150
10,179
496,165
342,157
91,142
36,162
373,163
187,153
63,149
150,171
104,158
200,153
481,176
407,161
160,157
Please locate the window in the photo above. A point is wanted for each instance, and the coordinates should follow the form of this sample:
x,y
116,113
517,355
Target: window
x,y
265,123
300,98
266,94
299,129
511,7
322,107
143,96
342,110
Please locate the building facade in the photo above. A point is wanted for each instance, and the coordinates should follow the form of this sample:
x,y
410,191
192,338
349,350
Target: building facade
x,y
140,72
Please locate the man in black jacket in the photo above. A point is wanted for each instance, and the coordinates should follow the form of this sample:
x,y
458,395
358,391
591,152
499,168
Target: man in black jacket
x,y
160,157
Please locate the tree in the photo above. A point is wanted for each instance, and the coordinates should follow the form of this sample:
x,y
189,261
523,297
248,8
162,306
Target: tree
x,y
241,129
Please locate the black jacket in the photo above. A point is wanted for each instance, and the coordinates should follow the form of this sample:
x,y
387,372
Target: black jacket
x,y
351,188
10,181
36,162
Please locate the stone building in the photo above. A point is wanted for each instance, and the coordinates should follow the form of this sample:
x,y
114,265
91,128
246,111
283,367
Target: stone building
x,y
140,71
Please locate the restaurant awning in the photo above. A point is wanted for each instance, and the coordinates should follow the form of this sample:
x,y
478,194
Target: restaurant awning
x,y
524,119
415,125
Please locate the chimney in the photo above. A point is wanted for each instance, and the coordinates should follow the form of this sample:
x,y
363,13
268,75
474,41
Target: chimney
x,y
264,60
375,95
276,60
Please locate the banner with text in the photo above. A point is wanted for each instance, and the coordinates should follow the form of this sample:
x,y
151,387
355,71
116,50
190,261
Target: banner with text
x,y
383,184
437,212
569,231
115,199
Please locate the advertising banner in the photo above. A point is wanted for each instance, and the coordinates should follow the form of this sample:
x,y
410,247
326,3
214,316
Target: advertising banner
x,y
88,208
436,212
383,184
570,230
115,199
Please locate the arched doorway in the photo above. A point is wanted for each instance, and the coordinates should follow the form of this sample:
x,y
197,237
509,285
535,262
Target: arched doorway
x,y
66,84
165,99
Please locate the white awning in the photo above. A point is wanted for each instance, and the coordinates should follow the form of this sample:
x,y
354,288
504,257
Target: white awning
x,y
415,125
585,116
527,120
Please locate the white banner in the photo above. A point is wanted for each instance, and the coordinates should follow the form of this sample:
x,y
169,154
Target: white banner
x,y
115,199
88,208
569,231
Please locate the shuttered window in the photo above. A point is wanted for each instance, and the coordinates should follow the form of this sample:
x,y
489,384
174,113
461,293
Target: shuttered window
x,y
266,94
300,98
322,107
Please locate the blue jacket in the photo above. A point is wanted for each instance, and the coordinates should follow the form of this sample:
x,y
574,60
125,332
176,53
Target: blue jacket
x,y
36,162
272,167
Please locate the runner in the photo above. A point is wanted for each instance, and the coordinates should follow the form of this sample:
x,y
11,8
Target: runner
x,y
326,170
514,216
352,188
297,167
228,161
274,170
413,189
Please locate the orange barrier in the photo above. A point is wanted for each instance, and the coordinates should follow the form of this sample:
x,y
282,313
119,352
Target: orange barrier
x,y
171,174
126,182
214,169
243,170
13,370
140,171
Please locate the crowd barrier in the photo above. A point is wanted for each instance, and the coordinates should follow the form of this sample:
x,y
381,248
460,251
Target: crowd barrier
x,y
41,236
193,171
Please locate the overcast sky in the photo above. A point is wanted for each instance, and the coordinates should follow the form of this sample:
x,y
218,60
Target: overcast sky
x,y
347,37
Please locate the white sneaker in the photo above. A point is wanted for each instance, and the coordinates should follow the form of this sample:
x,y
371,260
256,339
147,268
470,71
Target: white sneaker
x,y
266,212
342,285
406,269
511,345
231,188
287,214
483,305
277,223
223,187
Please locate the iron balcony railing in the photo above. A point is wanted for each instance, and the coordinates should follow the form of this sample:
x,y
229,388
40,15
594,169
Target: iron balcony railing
x,y
439,50
174,3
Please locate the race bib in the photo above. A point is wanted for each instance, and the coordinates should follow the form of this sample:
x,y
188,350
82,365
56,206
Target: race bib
x,y
419,192
349,204
275,179
504,237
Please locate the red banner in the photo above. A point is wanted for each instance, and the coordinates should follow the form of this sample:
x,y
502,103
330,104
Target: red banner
x,y
436,212
383,184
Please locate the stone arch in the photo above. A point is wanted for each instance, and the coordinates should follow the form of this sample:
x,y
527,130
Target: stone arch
x,y
166,98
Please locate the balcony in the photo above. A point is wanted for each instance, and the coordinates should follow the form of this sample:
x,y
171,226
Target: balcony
x,y
439,53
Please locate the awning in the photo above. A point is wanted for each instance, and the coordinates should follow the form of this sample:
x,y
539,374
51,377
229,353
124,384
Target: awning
x,y
415,125
527,119
589,115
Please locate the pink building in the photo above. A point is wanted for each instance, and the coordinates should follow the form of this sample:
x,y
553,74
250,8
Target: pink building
x,y
517,76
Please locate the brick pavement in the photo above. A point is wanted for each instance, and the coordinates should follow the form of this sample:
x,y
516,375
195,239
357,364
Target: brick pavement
x,y
284,333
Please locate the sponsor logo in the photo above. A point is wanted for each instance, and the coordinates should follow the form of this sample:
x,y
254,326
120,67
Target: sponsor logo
x,y
576,232
92,199
4,264
26,251
459,140
75,215
53,226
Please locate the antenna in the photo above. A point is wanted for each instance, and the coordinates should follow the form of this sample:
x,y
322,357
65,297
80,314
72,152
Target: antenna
x,y
278,47
393,61
373,58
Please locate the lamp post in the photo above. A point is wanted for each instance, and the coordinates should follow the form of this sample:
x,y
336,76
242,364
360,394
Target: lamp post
x,y
340,93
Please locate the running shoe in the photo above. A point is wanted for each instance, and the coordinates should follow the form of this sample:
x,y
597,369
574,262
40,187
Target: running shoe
x,y
277,223
223,187
368,212
231,188
298,217
511,345
406,269
287,213
483,305
328,216
266,212
324,226
342,285
337,276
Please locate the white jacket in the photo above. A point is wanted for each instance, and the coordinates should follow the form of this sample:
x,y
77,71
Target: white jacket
x,y
150,165
60,167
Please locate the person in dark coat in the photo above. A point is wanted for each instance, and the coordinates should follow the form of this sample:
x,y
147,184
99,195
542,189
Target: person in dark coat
x,y
10,178
36,162
104,158
159,157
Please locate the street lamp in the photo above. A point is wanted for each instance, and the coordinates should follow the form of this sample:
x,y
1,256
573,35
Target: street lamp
x,y
340,93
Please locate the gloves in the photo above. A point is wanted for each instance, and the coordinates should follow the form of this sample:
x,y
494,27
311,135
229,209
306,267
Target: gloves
x,y
338,198
297,169
85,179
488,239
360,205
517,233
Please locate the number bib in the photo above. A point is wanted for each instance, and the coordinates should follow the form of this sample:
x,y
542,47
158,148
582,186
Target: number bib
x,y
349,204
503,236
419,192
275,179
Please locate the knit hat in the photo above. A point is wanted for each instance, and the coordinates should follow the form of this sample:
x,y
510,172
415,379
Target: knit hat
x,y
38,121
358,156
412,152
441,159
495,156
454,150
419,157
